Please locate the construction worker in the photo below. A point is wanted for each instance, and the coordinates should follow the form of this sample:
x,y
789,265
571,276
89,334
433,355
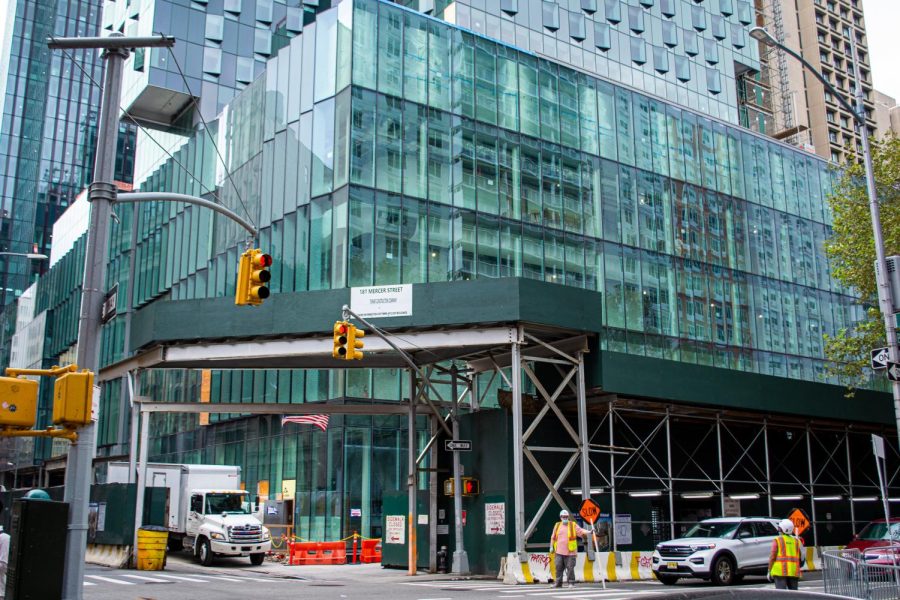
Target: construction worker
x,y
564,544
4,560
784,560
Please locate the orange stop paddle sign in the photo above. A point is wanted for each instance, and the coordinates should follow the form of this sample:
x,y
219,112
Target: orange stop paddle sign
x,y
801,523
589,511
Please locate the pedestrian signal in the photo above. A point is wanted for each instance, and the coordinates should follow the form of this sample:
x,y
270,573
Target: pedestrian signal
x,y
252,277
18,403
73,395
470,486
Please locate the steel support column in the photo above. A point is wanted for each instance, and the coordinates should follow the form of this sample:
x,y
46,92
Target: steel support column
x,y
411,480
612,477
583,436
721,472
433,497
850,481
669,474
812,492
518,453
768,473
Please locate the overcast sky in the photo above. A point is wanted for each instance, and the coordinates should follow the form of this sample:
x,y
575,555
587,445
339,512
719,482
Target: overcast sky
x,y
883,30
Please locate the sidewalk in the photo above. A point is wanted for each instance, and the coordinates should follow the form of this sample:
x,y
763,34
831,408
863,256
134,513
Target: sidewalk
x,y
181,562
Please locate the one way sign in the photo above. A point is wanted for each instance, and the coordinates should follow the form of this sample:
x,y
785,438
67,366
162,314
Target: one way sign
x,y
893,371
880,358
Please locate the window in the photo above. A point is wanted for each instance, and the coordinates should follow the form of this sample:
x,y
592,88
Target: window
x,y
197,503
613,11
765,529
698,18
832,136
550,13
636,19
669,34
602,36
667,7
638,51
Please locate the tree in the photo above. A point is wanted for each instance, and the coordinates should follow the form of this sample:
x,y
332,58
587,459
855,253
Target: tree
x,y
851,250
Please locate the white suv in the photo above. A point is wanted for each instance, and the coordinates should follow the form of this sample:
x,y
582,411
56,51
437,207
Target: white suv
x,y
720,550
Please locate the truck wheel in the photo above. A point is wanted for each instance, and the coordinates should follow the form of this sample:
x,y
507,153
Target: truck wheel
x,y
204,553
667,579
723,571
257,559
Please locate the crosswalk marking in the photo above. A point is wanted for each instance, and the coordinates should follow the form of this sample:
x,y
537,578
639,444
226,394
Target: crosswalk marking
x,y
145,578
181,578
109,579
86,583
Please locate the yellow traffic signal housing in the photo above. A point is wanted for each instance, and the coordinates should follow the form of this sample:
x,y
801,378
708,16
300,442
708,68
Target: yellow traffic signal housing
x,y
252,276
341,339
470,486
355,343
73,395
18,403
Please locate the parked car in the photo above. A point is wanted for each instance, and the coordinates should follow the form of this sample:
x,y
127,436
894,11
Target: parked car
x,y
720,550
876,533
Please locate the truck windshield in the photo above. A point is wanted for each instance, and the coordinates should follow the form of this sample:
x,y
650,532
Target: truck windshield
x,y
235,504
879,531
712,530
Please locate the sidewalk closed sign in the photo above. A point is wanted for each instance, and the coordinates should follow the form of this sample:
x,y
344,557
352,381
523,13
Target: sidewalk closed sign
x,y
394,529
494,518
382,300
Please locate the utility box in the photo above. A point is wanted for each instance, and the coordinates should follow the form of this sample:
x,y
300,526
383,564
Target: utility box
x,y
73,395
891,278
37,550
18,402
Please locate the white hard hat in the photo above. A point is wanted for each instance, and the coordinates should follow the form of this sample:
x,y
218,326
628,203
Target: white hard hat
x,y
786,525
563,513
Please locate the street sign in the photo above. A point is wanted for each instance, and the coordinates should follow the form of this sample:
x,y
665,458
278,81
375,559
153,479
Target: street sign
x,y
458,445
893,371
798,518
880,358
589,510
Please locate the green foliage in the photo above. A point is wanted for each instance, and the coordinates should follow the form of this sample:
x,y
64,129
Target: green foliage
x,y
851,250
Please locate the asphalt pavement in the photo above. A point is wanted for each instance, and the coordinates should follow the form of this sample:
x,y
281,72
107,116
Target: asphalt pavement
x,y
184,579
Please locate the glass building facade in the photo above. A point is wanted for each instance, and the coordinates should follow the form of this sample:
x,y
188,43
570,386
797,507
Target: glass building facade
x,y
379,146
48,131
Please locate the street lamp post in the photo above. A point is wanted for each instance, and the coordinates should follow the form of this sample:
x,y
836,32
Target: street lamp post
x,y
885,296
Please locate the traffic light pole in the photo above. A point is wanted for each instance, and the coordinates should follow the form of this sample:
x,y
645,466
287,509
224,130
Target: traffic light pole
x,y
101,193
460,558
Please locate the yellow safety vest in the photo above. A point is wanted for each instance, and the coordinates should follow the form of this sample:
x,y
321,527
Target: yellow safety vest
x,y
573,541
787,558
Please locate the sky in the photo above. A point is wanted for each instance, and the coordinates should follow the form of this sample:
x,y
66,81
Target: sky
x,y
883,30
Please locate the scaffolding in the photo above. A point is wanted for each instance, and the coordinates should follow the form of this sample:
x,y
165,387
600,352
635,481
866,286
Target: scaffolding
x,y
775,76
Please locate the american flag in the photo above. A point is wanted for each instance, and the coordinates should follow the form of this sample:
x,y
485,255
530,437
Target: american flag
x,y
320,421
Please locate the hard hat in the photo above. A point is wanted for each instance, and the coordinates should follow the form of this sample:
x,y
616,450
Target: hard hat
x,y
36,494
563,513
786,525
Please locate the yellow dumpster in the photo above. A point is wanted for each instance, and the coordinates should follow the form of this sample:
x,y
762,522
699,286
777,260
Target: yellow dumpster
x,y
151,548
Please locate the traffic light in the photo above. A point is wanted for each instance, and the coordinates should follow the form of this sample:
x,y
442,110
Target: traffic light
x,y
341,339
355,343
73,395
253,274
470,486
18,403
347,342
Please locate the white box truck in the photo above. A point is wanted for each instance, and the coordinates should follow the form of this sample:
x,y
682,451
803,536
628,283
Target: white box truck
x,y
208,513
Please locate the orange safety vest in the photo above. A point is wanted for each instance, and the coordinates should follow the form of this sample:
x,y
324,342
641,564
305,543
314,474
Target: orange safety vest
x,y
573,540
787,558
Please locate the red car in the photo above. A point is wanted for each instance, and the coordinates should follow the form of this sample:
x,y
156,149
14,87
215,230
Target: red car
x,y
876,534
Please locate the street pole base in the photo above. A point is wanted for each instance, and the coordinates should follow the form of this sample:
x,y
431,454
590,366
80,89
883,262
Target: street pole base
x,y
460,563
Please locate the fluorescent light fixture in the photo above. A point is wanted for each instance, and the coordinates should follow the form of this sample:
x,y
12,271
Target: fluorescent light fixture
x,y
645,494
864,499
826,498
788,497
577,491
744,496
893,499
697,495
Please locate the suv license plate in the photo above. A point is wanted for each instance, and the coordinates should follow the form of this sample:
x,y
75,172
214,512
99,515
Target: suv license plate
x,y
672,565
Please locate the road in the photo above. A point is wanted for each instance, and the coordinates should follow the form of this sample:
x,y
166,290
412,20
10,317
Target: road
x,y
185,580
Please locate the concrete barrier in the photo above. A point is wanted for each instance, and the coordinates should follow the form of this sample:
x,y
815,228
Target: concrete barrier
x,y
107,556
611,566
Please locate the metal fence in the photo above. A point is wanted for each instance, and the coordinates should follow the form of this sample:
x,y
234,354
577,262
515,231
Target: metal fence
x,y
870,575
